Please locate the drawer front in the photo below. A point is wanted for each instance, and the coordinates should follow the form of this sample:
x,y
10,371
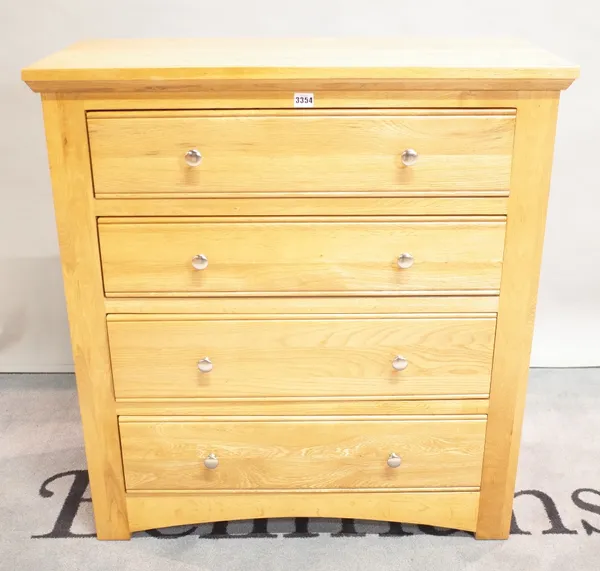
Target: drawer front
x,y
300,357
301,453
146,257
145,153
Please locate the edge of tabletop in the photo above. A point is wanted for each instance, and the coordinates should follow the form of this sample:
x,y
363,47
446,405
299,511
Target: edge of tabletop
x,y
179,79
394,64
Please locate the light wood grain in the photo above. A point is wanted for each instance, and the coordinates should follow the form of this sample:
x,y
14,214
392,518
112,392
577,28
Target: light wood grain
x,y
302,215
138,154
234,406
308,357
313,113
394,85
72,188
148,64
308,194
301,453
162,419
534,144
292,316
301,206
303,491
457,510
300,257
182,295
371,96
242,306
290,219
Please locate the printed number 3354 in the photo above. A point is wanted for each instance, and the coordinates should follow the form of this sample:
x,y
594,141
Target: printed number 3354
x,y
304,100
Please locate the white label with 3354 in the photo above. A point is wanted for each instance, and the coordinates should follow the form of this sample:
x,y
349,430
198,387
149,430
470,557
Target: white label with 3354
x,y
304,99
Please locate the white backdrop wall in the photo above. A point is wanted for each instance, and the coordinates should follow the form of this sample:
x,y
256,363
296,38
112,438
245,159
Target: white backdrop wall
x,y
33,325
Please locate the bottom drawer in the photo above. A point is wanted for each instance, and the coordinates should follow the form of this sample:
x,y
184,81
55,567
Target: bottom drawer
x,y
190,453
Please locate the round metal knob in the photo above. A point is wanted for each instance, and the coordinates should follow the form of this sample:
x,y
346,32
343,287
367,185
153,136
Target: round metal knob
x,y
193,158
200,262
409,157
394,460
405,260
205,365
211,462
399,363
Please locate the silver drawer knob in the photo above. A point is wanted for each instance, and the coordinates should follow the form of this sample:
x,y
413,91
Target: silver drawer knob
x,y
211,462
404,260
200,262
409,157
205,365
394,460
193,158
399,363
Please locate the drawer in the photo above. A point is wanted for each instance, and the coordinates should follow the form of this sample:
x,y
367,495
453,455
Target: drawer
x,y
148,256
301,453
154,357
144,153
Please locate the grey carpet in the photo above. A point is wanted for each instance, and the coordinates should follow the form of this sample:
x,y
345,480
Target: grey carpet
x,y
47,527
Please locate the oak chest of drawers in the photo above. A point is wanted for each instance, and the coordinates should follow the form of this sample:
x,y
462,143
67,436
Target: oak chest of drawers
x,y
301,276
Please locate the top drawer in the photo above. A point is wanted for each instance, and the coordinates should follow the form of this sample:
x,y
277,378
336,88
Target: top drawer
x,y
310,152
